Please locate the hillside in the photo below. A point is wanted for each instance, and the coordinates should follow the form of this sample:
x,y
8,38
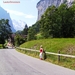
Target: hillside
x,y
65,45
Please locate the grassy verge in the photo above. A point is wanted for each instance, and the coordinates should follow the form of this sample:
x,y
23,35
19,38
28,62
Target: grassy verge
x,y
65,45
53,45
64,61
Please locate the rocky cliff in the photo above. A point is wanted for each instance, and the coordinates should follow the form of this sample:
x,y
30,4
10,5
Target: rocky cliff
x,y
5,15
42,5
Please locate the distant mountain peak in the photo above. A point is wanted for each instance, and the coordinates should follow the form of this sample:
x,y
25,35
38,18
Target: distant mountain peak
x,y
18,24
15,24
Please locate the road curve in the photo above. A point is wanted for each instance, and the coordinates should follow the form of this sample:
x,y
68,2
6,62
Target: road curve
x,y
15,63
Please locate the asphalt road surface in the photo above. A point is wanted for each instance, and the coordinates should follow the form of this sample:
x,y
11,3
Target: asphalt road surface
x,y
15,63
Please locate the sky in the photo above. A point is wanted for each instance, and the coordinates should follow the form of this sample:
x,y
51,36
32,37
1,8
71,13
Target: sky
x,y
24,10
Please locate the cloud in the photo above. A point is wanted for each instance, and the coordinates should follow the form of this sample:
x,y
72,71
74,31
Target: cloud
x,y
29,16
18,24
18,13
32,0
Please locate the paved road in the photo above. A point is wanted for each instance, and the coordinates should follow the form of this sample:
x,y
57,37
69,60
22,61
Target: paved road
x,y
15,63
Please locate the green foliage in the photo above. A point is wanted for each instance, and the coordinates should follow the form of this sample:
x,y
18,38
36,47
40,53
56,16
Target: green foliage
x,y
39,36
2,40
1,46
5,43
25,30
36,26
18,32
5,30
33,30
58,22
19,39
31,34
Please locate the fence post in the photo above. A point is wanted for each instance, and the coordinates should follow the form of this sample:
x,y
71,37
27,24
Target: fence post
x,y
59,56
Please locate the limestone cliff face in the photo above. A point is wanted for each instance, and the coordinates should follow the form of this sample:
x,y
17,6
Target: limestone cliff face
x,y
42,5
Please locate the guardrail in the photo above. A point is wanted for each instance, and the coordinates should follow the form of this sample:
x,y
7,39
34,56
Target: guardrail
x,y
57,54
61,54
27,49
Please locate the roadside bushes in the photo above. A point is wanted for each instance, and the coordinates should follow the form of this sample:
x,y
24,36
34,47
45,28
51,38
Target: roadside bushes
x,y
1,46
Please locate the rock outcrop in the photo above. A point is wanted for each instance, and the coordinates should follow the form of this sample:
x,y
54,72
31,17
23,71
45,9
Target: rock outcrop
x,y
42,5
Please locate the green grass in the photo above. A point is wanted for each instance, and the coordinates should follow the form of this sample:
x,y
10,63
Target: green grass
x,y
65,45
1,46
39,36
52,45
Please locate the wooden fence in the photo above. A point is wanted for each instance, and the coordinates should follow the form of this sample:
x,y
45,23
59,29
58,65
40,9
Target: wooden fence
x,y
57,54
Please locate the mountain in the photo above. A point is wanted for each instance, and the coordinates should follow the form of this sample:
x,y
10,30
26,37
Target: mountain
x,y
5,15
42,5
18,25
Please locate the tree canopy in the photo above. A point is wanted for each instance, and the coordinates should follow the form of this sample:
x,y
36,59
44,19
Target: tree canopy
x,y
58,22
5,30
